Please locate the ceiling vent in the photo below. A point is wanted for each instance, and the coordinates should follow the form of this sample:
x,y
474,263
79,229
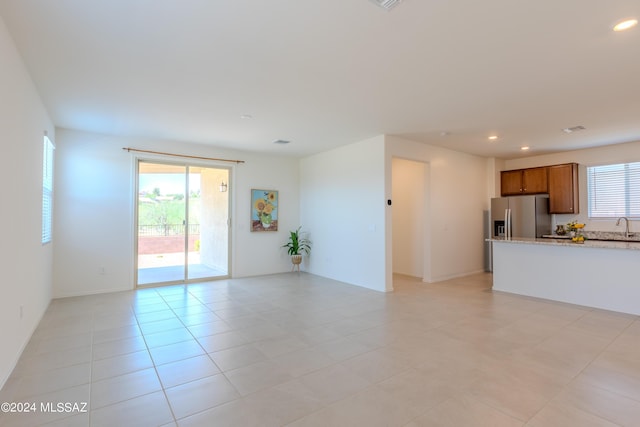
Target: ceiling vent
x,y
386,4
281,141
573,129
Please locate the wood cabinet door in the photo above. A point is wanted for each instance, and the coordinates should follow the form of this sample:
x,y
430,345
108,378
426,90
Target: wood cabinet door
x,y
534,181
511,182
563,189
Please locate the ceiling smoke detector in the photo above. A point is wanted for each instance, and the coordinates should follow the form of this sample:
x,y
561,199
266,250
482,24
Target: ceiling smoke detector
x,y
573,129
386,4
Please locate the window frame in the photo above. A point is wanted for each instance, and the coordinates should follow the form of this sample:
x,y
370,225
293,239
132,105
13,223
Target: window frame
x,y
628,191
47,190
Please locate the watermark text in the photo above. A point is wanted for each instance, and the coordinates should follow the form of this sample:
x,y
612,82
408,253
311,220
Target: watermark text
x,y
44,407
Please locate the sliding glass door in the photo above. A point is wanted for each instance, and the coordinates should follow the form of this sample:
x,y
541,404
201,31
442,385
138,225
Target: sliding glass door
x,y
182,223
209,208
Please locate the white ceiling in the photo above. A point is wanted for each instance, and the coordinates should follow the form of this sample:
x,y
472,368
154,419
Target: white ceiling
x,y
327,73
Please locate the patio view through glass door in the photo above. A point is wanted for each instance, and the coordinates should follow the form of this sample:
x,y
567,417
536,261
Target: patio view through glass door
x,y
182,223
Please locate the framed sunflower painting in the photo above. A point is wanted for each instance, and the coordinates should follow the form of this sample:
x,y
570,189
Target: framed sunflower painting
x,y
264,210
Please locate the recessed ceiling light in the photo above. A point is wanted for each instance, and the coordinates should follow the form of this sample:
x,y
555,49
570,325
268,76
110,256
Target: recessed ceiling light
x,y
281,141
625,25
246,116
493,137
525,148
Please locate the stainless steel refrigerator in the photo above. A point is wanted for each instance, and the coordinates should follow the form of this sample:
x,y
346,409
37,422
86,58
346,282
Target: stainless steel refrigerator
x,y
518,216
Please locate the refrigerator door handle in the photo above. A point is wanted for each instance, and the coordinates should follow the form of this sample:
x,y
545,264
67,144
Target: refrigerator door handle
x,y
507,224
510,224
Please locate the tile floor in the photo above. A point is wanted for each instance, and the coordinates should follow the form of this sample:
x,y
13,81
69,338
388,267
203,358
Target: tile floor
x,y
300,350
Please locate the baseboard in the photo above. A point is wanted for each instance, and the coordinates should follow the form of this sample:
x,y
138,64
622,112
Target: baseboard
x,y
4,380
92,292
454,276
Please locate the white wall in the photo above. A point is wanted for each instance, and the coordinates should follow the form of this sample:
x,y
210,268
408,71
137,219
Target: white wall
x,y
94,210
342,202
25,263
409,194
457,197
494,166
611,154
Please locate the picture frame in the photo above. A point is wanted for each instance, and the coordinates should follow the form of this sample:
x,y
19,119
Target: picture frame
x,y
264,210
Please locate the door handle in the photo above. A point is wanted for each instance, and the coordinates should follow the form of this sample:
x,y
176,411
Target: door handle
x,y
507,224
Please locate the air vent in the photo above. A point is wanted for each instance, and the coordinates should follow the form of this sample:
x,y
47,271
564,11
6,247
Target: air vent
x,y
281,141
573,129
386,4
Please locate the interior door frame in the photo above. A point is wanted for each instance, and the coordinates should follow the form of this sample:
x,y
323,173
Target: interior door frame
x,y
136,185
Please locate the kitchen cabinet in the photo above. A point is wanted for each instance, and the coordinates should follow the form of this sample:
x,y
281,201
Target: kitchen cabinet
x,y
559,181
563,189
524,181
511,182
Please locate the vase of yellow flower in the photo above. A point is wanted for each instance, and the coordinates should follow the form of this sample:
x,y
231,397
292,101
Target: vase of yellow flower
x,y
266,219
575,231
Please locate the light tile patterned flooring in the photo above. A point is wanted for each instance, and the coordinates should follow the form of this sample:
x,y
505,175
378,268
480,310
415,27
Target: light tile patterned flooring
x,y
300,350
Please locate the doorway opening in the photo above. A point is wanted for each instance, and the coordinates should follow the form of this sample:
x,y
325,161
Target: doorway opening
x,y
410,224
182,223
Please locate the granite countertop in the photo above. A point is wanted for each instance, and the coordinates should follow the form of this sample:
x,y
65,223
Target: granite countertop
x,y
600,235
604,244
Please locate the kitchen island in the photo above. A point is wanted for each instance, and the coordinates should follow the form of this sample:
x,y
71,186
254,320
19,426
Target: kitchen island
x,y
600,274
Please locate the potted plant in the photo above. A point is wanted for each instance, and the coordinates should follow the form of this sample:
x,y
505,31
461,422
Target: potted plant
x,y
296,246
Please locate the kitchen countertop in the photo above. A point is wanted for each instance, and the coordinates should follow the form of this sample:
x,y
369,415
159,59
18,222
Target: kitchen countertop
x,y
603,244
600,274
600,235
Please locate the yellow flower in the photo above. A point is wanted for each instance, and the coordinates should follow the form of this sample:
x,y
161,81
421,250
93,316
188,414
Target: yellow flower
x,y
271,197
259,205
578,225
268,208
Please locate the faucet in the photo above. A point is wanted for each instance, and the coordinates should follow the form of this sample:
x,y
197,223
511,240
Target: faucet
x,y
626,231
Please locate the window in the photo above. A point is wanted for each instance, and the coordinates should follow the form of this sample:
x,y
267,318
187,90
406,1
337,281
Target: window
x,y
614,190
47,189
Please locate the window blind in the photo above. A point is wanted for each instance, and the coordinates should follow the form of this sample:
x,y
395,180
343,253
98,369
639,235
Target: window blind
x,y
614,190
47,190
